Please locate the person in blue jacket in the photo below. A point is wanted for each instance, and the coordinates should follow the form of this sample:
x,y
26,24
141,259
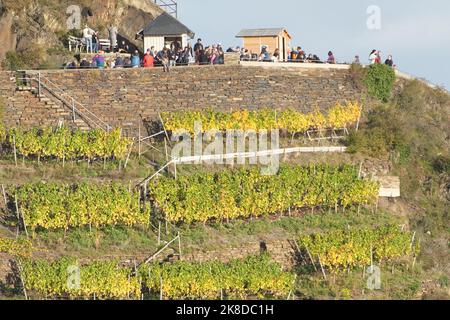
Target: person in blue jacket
x,y
135,60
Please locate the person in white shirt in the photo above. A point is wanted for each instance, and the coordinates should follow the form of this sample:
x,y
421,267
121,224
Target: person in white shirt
x,y
87,37
373,56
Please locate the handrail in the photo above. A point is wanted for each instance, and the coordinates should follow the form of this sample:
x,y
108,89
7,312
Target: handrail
x,y
107,126
69,101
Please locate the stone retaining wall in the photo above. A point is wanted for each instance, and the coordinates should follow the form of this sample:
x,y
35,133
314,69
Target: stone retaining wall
x,y
129,97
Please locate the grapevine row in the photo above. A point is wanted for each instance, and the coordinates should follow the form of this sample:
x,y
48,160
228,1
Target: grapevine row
x,y
340,116
358,248
247,193
238,279
66,278
65,144
59,206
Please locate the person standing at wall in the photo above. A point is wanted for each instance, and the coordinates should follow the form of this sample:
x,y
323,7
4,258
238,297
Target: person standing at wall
x,y
148,61
165,59
331,59
373,57
389,61
95,42
378,58
135,59
87,38
112,37
197,49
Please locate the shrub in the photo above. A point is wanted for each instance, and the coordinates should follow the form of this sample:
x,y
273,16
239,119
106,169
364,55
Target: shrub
x,y
379,81
13,61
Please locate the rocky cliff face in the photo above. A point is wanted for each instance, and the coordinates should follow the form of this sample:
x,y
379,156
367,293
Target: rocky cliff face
x,y
25,24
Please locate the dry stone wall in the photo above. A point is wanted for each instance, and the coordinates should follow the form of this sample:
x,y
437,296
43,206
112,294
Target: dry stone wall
x,y
129,97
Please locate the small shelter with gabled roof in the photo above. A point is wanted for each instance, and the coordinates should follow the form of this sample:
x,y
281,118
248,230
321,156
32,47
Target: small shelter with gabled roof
x,y
272,38
163,31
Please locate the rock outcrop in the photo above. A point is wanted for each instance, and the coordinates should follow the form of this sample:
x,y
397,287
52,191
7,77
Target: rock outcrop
x,y
26,24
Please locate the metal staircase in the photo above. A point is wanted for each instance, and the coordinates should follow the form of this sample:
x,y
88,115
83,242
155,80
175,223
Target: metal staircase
x,y
64,105
170,6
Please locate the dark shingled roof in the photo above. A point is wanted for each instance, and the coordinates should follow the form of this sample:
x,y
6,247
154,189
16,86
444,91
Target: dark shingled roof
x,y
272,32
166,25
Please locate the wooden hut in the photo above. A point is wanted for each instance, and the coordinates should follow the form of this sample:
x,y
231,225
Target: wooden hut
x,y
275,38
163,31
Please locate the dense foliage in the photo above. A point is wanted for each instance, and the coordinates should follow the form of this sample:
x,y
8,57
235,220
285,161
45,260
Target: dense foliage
x,y
65,278
15,248
239,279
59,206
356,248
379,81
340,116
247,193
64,144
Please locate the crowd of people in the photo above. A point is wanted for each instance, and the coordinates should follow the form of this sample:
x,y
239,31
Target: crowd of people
x,y
299,55
169,56
175,55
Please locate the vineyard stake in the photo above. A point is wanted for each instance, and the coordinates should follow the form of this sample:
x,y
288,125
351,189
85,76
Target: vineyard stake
x,y
179,245
165,148
164,128
19,215
175,167
360,170
412,240
161,290
15,150
4,196
310,258
359,118
321,267
21,280
128,156
139,142
159,233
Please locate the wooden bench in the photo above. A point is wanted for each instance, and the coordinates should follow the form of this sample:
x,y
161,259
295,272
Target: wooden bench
x,y
104,44
75,42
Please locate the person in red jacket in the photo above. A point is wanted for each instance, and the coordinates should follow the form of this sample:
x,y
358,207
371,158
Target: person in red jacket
x,y
148,61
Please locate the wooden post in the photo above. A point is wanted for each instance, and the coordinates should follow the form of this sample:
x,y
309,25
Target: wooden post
x,y
21,280
165,148
412,240
310,258
4,196
179,245
18,216
371,258
159,233
15,150
164,128
323,270
175,168
161,289
128,156
359,119
139,144
360,170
